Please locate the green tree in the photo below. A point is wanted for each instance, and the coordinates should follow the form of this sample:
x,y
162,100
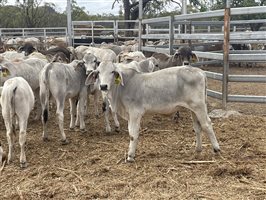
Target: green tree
x,y
79,13
10,17
33,13
154,8
244,3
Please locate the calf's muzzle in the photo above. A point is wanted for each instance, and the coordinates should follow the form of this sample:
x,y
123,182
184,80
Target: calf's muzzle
x,y
103,87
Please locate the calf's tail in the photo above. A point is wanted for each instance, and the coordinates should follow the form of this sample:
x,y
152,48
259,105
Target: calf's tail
x,y
12,109
45,92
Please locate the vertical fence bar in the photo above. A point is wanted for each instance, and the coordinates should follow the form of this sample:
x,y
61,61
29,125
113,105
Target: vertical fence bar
x,y
69,22
226,53
115,32
190,32
140,23
92,32
171,35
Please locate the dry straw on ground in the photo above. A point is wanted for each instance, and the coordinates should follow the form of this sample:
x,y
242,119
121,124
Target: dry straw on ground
x,y
92,166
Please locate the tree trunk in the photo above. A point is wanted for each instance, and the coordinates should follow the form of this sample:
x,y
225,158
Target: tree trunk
x,y
132,13
127,16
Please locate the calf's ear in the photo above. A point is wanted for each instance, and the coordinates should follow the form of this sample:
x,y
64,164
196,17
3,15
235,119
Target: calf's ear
x,y
91,78
5,72
118,77
176,55
195,58
20,49
79,64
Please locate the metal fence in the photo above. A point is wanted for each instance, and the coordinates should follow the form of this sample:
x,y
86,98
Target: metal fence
x,y
33,32
198,30
86,32
189,29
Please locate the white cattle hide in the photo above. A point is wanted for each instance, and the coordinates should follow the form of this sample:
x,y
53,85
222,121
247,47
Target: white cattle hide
x,y
13,55
101,54
132,94
126,57
29,69
17,101
63,81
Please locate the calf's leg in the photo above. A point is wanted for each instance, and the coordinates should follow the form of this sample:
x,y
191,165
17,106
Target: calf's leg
x,y
133,128
10,137
205,123
197,129
73,110
117,124
60,116
106,115
22,141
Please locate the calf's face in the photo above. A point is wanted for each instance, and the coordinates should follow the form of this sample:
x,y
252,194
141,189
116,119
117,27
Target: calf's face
x,y
27,48
107,76
91,62
185,55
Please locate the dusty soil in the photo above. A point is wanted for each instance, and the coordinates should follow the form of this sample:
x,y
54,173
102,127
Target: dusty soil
x,y
92,166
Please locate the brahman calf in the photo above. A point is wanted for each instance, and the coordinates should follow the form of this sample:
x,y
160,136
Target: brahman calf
x,y
28,69
132,94
17,101
63,81
183,56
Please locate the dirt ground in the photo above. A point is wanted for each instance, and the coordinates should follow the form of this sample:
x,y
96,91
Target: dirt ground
x,y
92,166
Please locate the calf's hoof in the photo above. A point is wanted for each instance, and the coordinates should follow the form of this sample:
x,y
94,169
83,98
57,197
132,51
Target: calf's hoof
x,y
217,151
117,129
71,128
130,159
23,165
64,142
45,139
83,130
108,130
198,150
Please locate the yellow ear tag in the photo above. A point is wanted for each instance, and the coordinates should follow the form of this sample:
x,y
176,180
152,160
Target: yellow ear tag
x,y
194,59
117,80
5,73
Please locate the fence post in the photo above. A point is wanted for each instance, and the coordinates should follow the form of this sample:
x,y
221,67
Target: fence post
x,y
171,35
92,32
69,22
226,53
140,23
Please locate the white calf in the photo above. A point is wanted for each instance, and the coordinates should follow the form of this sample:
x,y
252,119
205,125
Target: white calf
x,y
132,94
63,81
17,101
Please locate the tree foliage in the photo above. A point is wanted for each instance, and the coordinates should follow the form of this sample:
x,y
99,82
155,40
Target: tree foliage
x,y
35,13
244,3
10,17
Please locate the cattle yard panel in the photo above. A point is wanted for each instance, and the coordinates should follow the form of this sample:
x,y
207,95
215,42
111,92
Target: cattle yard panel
x,y
112,30
33,32
190,29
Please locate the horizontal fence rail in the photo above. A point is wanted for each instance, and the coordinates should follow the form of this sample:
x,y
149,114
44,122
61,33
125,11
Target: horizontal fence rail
x,y
33,32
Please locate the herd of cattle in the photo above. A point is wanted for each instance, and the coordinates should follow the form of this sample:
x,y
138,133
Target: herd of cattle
x,y
130,84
